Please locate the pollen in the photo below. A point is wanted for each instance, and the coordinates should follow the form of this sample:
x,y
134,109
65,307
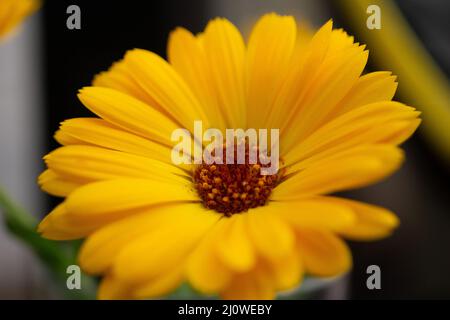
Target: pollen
x,y
233,188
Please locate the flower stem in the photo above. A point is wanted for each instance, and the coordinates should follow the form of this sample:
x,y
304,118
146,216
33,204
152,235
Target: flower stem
x,y
56,256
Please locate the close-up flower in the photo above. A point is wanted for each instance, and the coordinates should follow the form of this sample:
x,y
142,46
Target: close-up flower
x,y
14,12
226,229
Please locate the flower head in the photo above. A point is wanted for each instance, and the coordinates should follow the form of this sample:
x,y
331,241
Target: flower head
x,y
227,229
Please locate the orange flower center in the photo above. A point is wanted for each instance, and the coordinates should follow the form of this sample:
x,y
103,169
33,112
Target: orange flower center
x,y
234,188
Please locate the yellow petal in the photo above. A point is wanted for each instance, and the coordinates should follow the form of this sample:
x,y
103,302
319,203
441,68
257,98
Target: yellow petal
x,y
371,223
162,284
128,113
115,196
370,88
102,247
370,124
302,70
352,168
320,76
112,289
401,131
286,273
119,78
270,49
54,184
235,248
164,247
97,204
335,78
272,237
90,163
165,86
312,213
188,58
339,41
55,227
204,270
323,253
64,139
225,52
99,132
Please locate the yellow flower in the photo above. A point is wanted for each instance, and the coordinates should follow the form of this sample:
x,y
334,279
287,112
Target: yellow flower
x,y
146,220
13,12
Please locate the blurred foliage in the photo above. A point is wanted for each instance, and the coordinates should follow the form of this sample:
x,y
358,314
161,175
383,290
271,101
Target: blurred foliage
x,y
55,256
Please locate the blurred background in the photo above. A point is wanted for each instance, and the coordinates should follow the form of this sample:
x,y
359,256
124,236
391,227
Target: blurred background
x,y
44,64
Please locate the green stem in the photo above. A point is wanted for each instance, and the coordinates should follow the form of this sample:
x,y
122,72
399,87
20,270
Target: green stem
x,y
56,256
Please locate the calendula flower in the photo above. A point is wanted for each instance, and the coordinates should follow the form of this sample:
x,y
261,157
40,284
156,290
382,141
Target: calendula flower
x,y
226,229
13,12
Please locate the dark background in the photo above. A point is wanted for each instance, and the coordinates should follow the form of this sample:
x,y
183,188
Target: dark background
x,y
414,262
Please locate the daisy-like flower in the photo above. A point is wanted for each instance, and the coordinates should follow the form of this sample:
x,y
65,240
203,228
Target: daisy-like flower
x,y
13,12
151,225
